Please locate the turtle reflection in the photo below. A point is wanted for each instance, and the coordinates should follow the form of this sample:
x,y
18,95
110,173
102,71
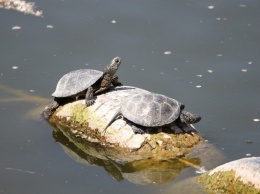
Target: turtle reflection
x,y
143,172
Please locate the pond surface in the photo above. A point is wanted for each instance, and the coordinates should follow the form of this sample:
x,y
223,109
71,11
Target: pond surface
x,y
202,53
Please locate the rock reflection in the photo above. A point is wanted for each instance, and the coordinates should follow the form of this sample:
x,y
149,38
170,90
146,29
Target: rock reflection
x,y
143,171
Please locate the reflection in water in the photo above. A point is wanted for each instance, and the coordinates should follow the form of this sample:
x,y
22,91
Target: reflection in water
x,y
18,95
144,172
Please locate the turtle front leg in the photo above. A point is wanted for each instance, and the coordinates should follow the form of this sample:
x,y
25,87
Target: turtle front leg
x,y
115,81
89,100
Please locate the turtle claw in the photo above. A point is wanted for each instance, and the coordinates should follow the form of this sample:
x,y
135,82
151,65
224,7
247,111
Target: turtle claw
x,y
46,114
89,102
119,84
137,130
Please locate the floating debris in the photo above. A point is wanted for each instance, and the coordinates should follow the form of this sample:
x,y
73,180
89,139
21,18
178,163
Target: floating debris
x,y
210,71
113,21
220,55
201,170
199,75
248,154
211,7
242,5
16,27
167,52
256,120
198,86
19,170
21,6
50,26
15,67
32,91
250,63
244,70
162,73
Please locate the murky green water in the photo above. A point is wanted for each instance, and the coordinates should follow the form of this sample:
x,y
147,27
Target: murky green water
x,y
202,53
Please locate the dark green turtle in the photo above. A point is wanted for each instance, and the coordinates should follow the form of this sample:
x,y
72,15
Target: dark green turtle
x,y
154,110
83,82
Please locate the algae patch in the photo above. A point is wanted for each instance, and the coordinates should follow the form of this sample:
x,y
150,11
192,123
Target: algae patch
x,y
80,113
175,145
225,182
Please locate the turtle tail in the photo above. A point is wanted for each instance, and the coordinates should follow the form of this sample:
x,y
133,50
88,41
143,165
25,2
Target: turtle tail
x,y
117,113
189,118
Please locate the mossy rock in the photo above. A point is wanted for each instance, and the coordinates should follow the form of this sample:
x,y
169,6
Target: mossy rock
x,y
87,123
240,176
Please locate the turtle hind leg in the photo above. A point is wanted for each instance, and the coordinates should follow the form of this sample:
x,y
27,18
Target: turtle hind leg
x,y
185,128
189,118
50,109
181,125
137,130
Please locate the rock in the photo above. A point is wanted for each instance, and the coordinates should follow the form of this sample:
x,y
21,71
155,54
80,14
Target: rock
x,y
87,123
21,6
239,176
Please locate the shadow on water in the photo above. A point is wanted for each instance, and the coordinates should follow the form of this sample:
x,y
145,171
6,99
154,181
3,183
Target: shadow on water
x,y
143,172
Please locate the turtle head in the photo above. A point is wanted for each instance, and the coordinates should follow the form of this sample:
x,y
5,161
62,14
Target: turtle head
x,y
189,118
112,67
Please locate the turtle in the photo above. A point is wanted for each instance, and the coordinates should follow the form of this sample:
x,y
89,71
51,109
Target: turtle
x,y
154,110
83,82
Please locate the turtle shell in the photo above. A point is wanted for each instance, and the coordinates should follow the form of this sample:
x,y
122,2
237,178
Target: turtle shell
x,y
150,109
76,81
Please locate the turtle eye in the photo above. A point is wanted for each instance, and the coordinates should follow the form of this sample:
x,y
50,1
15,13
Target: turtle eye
x,y
117,60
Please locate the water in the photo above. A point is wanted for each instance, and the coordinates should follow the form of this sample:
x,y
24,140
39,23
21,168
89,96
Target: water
x,y
213,44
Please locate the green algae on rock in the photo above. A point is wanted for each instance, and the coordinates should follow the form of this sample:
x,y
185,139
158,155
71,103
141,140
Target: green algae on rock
x,y
75,119
239,176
